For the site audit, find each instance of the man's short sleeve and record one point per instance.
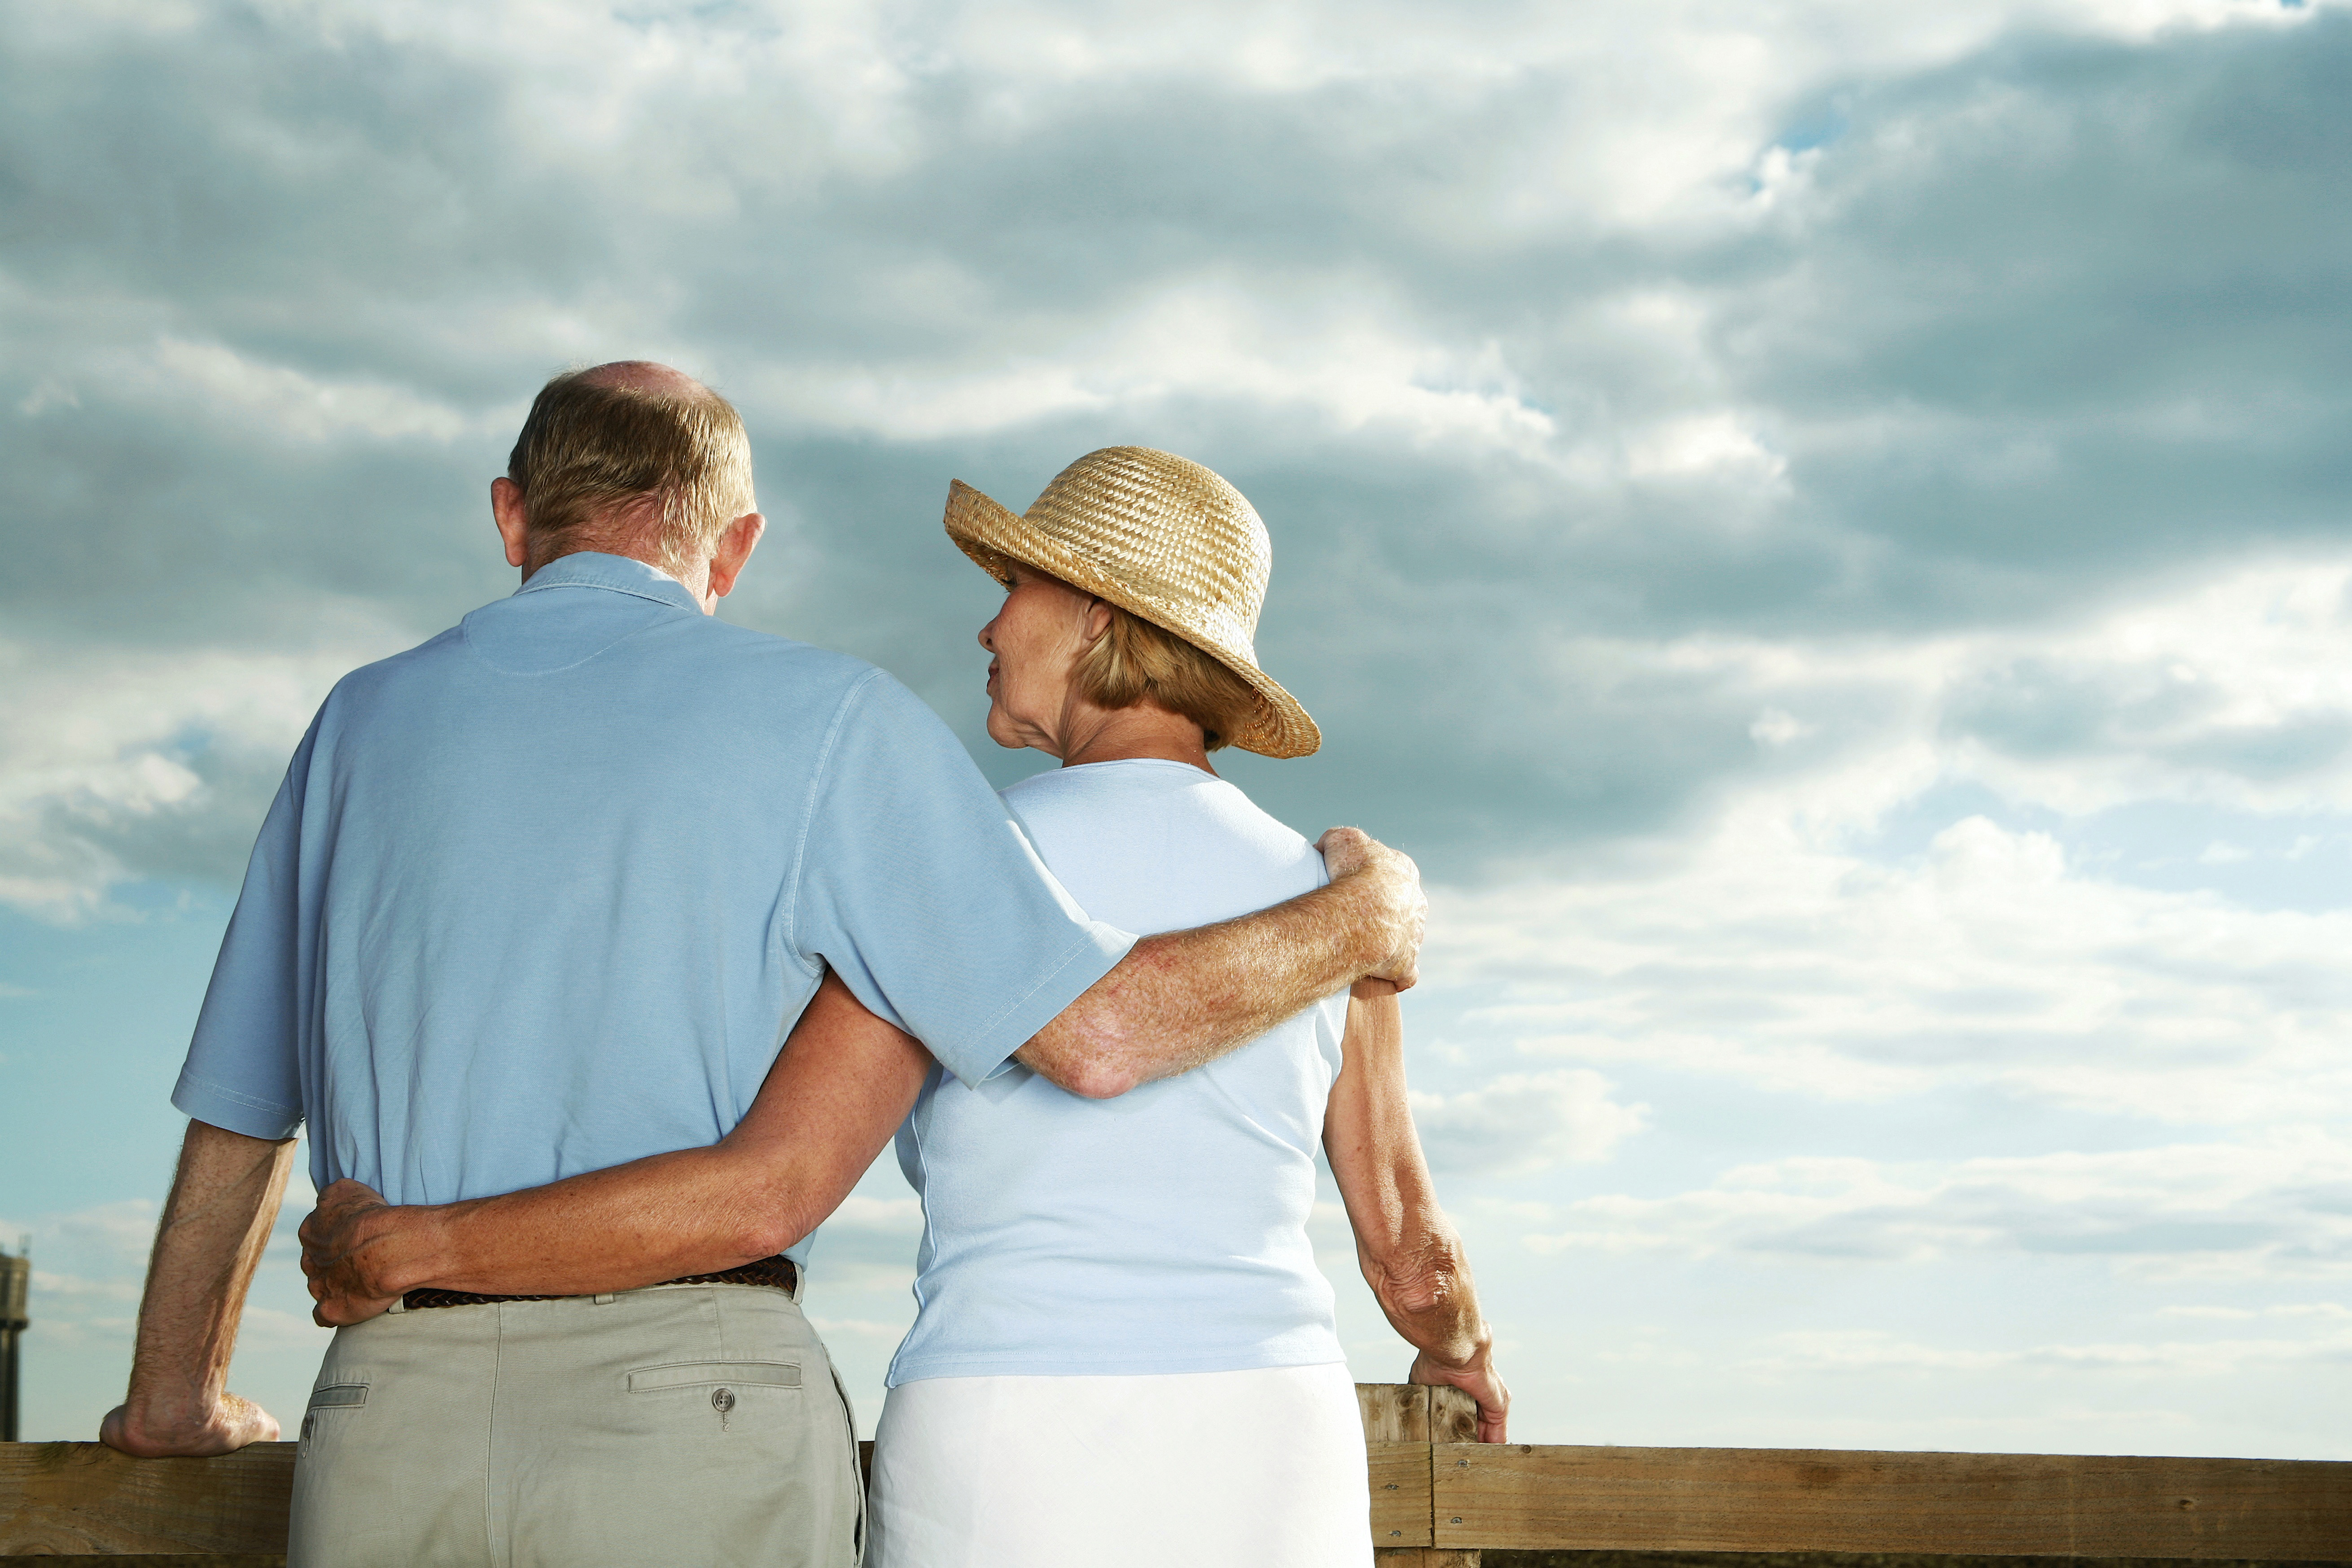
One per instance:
(921, 891)
(244, 1067)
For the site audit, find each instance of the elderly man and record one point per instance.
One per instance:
(540, 898)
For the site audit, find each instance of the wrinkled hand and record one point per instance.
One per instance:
(344, 1243)
(227, 1425)
(1478, 1379)
(1396, 905)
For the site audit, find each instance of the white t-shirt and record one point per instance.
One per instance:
(1165, 1230)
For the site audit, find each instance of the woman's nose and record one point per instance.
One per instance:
(984, 637)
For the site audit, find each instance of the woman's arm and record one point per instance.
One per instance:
(840, 1087)
(1409, 1254)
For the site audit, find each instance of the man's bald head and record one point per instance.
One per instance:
(633, 458)
(644, 375)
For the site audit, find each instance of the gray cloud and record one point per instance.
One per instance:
(2019, 330)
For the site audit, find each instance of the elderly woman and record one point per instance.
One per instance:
(1124, 1352)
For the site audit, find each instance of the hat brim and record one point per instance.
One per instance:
(994, 537)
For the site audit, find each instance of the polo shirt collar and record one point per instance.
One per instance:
(594, 569)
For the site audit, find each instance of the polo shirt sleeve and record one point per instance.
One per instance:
(921, 892)
(244, 1071)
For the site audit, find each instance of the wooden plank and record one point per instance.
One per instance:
(81, 1499)
(1411, 1413)
(1453, 1416)
(1795, 1500)
(1416, 1412)
(1399, 1478)
(159, 1559)
(84, 1499)
(1393, 1411)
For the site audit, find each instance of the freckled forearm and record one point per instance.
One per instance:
(1182, 999)
(223, 1200)
(842, 1084)
(689, 1212)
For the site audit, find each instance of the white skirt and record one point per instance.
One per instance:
(1178, 1469)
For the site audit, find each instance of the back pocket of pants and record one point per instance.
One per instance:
(333, 1396)
(713, 1373)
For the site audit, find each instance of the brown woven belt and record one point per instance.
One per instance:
(776, 1271)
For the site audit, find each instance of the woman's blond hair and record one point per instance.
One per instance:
(1134, 661)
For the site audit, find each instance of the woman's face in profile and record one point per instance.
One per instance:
(1036, 638)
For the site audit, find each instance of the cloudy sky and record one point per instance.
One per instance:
(1825, 525)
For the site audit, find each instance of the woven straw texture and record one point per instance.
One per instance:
(1162, 537)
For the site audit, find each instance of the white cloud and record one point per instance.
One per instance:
(105, 749)
(1346, 362)
(895, 1218)
(867, 1244)
(884, 1334)
(73, 1285)
(1779, 727)
(87, 1268)
(1871, 1352)
(1522, 1123)
(2237, 691)
(1702, 443)
(2276, 1210)
(1777, 941)
(217, 382)
(1984, 962)
(2329, 1310)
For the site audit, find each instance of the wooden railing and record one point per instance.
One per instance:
(1440, 1502)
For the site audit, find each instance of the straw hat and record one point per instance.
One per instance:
(1162, 537)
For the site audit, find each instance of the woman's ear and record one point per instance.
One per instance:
(1097, 621)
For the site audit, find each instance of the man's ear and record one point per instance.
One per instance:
(513, 520)
(735, 546)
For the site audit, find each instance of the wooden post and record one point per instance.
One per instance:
(16, 1287)
(1401, 1421)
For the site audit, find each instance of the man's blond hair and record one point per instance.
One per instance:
(1135, 661)
(599, 460)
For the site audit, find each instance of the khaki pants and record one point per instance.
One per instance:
(685, 1424)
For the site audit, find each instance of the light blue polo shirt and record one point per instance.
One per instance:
(545, 894)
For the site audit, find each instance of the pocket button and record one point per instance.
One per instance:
(722, 1400)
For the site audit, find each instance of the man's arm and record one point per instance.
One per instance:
(223, 1200)
(840, 1087)
(1188, 998)
(1410, 1253)
(843, 1083)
